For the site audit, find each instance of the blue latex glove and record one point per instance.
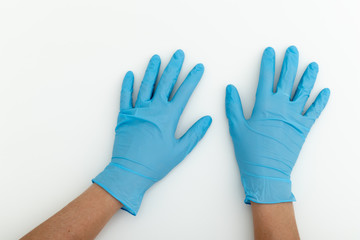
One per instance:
(145, 147)
(268, 144)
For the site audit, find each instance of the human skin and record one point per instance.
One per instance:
(154, 115)
(83, 218)
(274, 221)
(267, 144)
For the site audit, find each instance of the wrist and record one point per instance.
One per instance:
(274, 221)
(124, 185)
(261, 189)
(104, 197)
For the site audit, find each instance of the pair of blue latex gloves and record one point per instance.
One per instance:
(266, 145)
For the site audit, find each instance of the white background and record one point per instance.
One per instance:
(61, 68)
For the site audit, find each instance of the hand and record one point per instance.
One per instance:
(268, 144)
(145, 147)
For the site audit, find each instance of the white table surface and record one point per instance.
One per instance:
(61, 68)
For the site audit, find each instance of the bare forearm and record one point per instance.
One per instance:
(274, 221)
(83, 218)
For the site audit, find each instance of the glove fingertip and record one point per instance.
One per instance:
(269, 51)
(230, 88)
(293, 49)
(129, 74)
(199, 67)
(155, 58)
(232, 101)
(230, 96)
(179, 54)
(326, 92)
(314, 66)
(207, 120)
(203, 125)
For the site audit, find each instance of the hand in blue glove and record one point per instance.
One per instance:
(268, 144)
(145, 147)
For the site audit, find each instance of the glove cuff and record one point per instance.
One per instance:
(261, 189)
(127, 186)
